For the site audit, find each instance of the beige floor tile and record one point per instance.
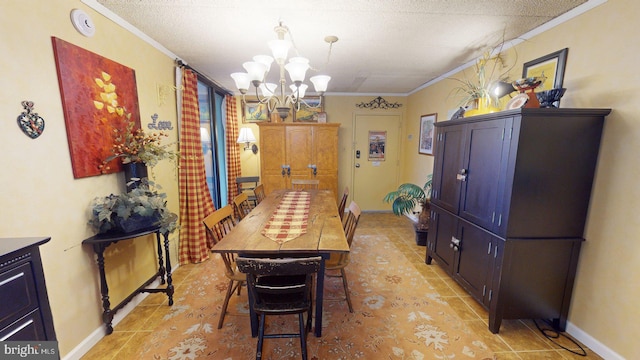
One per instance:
(493, 342)
(136, 319)
(508, 355)
(520, 337)
(107, 347)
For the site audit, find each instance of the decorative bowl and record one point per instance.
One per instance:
(549, 97)
(529, 83)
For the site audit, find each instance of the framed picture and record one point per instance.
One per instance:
(377, 143)
(254, 111)
(427, 130)
(98, 96)
(310, 108)
(551, 65)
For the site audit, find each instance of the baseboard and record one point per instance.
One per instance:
(90, 341)
(592, 343)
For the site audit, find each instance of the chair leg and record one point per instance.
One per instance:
(346, 289)
(303, 336)
(260, 337)
(230, 291)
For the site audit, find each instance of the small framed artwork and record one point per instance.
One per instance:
(254, 111)
(427, 130)
(551, 65)
(377, 143)
(310, 108)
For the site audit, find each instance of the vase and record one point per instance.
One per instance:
(137, 222)
(133, 172)
(483, 106)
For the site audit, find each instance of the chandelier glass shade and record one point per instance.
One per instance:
(276, 96)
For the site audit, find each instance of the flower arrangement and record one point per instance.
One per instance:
(143, 206)
(490, 69)
(134, 146)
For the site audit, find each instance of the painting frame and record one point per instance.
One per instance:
(310, 109)
(98, 96)
(377, 145)
(254, 111)
(554, 62)
(427, 131)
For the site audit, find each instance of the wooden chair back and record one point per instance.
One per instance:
(241, 203)
(343, 202)
(260, 195)
(305, 184)
(277, 285)
(351, 221)
(248, 184)
(219, 224)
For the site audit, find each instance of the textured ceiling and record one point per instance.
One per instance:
(385, 47)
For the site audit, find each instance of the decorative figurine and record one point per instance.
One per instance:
(30, 122)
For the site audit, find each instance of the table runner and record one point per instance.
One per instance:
(289, 220)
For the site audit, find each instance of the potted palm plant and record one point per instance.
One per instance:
(405, 199)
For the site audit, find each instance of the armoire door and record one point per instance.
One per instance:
(272, 158)
(487, 147)
(448, 162)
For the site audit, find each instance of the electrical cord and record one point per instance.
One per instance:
(553, 334)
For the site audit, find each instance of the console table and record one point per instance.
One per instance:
(101, 241)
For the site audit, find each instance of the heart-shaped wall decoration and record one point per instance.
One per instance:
(30, 122)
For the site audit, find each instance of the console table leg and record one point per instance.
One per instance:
(161, 270)
(107, 315)
(169, 280)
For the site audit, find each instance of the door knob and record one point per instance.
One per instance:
(357, 165)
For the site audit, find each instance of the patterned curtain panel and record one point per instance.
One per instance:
(233, 153)
(195, 199)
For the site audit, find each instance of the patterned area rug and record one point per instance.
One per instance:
(397, 315)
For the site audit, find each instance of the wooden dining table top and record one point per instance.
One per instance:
(324, 228)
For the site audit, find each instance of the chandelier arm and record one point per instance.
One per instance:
(319, 106)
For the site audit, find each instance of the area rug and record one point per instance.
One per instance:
(397, 315)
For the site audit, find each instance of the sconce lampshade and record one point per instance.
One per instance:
(246, 137)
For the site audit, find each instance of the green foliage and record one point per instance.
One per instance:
(407, 196)
(144, 200)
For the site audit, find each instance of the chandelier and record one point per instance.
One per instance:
(275, 95)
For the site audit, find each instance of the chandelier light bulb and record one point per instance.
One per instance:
(298, 91)
(264, 59)
(255, 70)
(280, 49)
(242, 81)
(297, 71)
(268, 89)
(320, 82)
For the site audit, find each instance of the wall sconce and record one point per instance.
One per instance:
(246, 137)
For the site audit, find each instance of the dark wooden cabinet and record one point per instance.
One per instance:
(25, 314)
(510, 197)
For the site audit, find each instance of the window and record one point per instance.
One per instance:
(212, 135)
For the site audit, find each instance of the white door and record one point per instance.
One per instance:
(376, 163)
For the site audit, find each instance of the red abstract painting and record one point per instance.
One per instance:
(98, 96)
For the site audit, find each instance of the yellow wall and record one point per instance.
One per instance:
(600, 73)
(39, 195)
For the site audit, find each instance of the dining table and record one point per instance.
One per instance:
(322, 235)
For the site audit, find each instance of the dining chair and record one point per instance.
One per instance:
(339, 261)
(343, 202)
(248, 184)
(305, 184)
(260, 195)
(218, 224)
(241, 203)
(281, 287)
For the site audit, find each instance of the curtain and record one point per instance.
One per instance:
(233, 153)
(195, 199)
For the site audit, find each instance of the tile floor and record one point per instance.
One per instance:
(518, 339)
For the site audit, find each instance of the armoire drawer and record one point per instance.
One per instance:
(18, 293)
